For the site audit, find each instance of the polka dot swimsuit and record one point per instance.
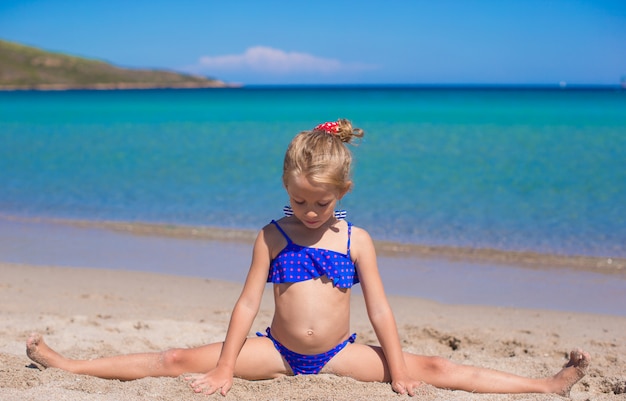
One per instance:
(297, 263)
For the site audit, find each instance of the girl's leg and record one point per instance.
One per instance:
(258, 360)
(367, 363)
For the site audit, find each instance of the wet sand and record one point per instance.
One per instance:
(449, 275)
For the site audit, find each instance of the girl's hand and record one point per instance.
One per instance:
(211, 382)
(406, 385)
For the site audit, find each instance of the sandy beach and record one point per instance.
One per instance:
(98, 289)
(89, 312)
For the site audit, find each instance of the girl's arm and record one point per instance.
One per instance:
(379, 311)
(241, 320)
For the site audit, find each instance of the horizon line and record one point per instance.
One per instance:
(558, 86)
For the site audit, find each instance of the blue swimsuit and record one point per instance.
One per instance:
(297, 263)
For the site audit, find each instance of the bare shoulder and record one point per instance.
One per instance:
(360, 236)
(361, 243)
(271, 237)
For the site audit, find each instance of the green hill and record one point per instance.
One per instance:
(24, 67)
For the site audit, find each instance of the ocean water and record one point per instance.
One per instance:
(511, 169)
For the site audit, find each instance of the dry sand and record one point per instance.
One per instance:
(85, 313)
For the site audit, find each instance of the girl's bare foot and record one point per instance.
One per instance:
(39, 352)
(572, 372)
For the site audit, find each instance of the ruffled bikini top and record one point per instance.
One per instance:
(297, 263)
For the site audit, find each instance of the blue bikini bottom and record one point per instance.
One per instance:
(306, 364)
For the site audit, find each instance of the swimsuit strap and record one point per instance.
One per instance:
(282, 232)
(349, 232)
(291, 242)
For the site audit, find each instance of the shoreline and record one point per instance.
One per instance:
(526, 259)
(225, 255)
(117, 86)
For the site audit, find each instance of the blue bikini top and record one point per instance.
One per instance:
(297, 263)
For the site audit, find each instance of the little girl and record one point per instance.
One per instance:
(313, 257)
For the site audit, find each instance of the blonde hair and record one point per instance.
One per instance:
(322, 156)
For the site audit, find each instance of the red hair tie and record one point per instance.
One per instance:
(331, 127)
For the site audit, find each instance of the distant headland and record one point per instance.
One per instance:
(29, 68)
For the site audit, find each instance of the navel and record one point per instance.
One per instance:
(309, 332)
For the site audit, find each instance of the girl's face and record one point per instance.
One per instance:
(313, 204)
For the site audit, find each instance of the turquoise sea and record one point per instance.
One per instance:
(503, 168)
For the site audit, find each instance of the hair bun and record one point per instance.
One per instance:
(342, 129)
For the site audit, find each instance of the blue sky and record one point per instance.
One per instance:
(338, 42)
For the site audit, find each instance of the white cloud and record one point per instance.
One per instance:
(269, 60)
